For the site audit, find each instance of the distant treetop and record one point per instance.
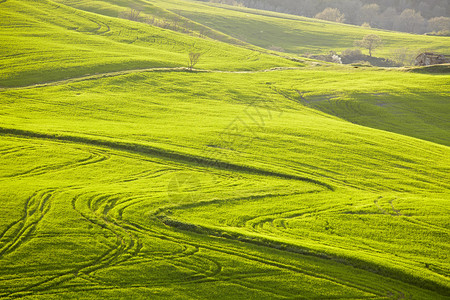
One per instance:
(415, 16)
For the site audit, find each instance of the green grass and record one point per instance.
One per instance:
(247, 27)
(75, 43)
(295, 34)
(150, 181)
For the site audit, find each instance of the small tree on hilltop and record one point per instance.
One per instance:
(194, 57)
(131, 14)
(331, 14)
(370, 42)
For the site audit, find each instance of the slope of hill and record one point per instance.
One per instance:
(426, 119)
(399, 15)
(231, 182)
(399, 102)
(45, 41)
(295, 34)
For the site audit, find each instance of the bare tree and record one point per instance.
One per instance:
(194, 57)
(331, 14)
(370, 42)
(131, 14)
(403, 56)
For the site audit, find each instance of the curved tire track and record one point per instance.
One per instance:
(95, 157)
(167, 155)
(21, 230)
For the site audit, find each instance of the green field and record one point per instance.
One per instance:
(125, 175)
(298, 35)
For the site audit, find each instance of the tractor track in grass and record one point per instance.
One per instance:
(82, 288)
(21, 230)
(94, 157)
(266, 261)
(148, 174)
(425, 225)
(99, 216)
(112, 257)
(13, 150)
(232, 251)
(95, 205)
(164, 154)
(203, 203)
(254, 223)
(355, 262)
(146, 231)
(109, 257)
(274, 230)
(253, 258)
(100, 208)
(83, 14)
(126, 245)
(410, 219)
(100, 25)
(380, 208)
(396, 211)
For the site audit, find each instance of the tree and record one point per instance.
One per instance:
(439, 24)
(194, 57)
(369, 13)
(354, 53)
(351, 10)
(410, 21)
(131, 14)
(370, 42)
(388, 18)
(403, 56)
(331, 14)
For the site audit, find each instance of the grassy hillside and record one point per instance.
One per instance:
(295, 34)
(44, 41)
(125, 176)
(246, 27)
(412, 104)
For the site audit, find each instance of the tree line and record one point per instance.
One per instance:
(414, 16)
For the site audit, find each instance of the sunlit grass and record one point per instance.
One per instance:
(312, 183)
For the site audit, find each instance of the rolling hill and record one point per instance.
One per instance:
(294, 34)
(256, 175)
